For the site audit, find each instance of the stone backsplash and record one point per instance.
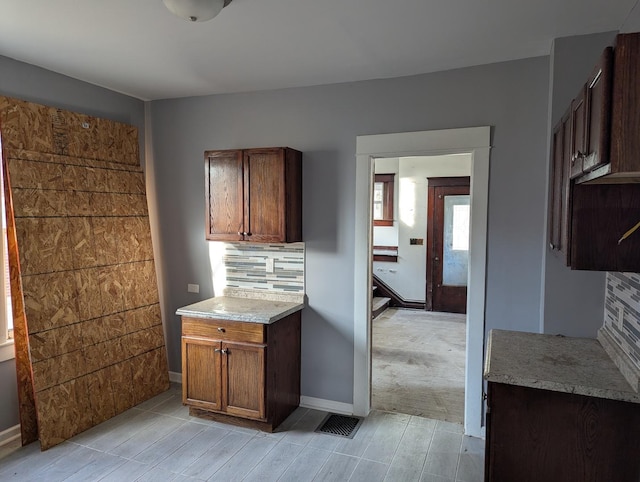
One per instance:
(246, 267)
(622, 322)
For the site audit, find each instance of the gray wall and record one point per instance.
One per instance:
(8, 395)
(323, 123)
(573, 300)
(24, 81)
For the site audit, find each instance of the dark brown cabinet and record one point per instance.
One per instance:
(535, 435)
(239, 372)
(578, 132)
(595, 199)
(598, 114)
(560, 186)
(590, 132)
(254, 195)
(623, 163)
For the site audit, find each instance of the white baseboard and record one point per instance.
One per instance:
(9, 435)
(175, 377)
(326, 405)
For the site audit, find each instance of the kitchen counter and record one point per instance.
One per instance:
(232, 308)
(557, 363)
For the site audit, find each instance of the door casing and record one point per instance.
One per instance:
(473, 140)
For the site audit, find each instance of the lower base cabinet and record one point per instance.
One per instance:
(541, 435)
(242, 373)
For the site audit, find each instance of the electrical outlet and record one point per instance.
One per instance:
(193, 288)
(270, 265)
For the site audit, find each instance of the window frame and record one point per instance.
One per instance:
(388, 183)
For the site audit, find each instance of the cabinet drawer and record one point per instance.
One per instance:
(223, 330)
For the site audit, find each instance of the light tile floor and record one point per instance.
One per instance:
(158, 441)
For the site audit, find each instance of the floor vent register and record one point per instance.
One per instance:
(340, 425)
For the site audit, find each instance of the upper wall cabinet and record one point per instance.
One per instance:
(595, 168)
(254, 195)
(612, 143)
(590, 119)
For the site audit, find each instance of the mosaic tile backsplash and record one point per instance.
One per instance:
(246, 266)
(622, 313)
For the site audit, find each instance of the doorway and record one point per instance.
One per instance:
(418, 356)
(476, 141)
(448, 217)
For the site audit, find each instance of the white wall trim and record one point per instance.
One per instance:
(175, 377)
(9, 435)
(474, 140)
(326, 405)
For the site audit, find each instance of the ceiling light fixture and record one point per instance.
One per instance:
(196, 10)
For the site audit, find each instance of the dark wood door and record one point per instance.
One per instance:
(449, 209)
(201, 373)
(264, 193)
(598, 128)
(224, 196)
(243, 366)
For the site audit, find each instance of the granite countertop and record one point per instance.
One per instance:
(233, 308)
(557, 363)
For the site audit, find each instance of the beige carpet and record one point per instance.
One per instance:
(418, 363)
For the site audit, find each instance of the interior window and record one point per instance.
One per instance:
(383, 200)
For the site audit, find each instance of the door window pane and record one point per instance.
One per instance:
(455, 255)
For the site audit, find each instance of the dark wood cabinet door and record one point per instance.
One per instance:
(578, 132)
(224, 196)
(560, 186)
(243, 378)
(567, 186)
(538, 435)
(264, 195)
(625, 109)
(201, 373)
(556, 200)
(598, 119)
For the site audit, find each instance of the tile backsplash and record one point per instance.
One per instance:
(622, 314)
(246, 266)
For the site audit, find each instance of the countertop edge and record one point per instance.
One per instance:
(247, 318)
(499, 375)
(566, 388)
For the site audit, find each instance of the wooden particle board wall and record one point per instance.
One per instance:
(89, 336)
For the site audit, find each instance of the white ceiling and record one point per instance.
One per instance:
(137, 47)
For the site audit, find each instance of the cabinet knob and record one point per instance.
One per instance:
(223, 351)
(240, 233)
(247, 234)
(221, 330)
(552, 246)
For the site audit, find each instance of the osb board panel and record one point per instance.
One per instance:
(49, 130)
(93, 327)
